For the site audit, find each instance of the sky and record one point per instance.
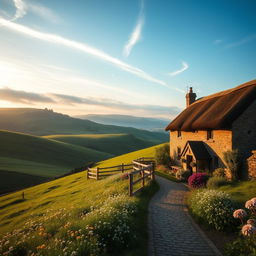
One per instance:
(135, 57)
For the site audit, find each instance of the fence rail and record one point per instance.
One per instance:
(140, 171)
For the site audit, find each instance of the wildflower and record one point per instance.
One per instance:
(248, 230)
(252, 222)
(251, 204)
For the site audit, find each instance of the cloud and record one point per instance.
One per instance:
(10, 95)
(242, 41)
(217, 41)
(56, 39)
(44, 13)
(136, 33)
(177, 72)
(21, 9)
(24, 97)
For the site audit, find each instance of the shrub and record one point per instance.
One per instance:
(162, 155)
(197, 180)
(216, 182)
(232, 160)
(219, 172)
(182, 175)
(213, 207)
(241, 246)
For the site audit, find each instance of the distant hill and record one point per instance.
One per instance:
(46, 122)
(115, 144)
(41, 157)
(146, 123)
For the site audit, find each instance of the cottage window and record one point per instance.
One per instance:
(179, 133)
(209, 134)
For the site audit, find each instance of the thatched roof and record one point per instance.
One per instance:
(217, 111)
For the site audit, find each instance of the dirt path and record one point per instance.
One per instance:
(171, 230)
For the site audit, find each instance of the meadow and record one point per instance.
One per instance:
(115, 144)
(76, 216)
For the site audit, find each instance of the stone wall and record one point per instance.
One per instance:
(221, 142)
(252, 165)
(244, 135)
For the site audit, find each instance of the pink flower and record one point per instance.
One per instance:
(240, 213)
(251, 204)
(248, 230)
(252, 222)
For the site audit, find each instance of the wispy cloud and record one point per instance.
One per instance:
(44, 13)
(21, 9)
(136, 33)
(217, 41)
(242, 41)
(177, 72)
(24, 97)
(56, 39)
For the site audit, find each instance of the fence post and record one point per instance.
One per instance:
(130, 175)
(153, 171)
(97, 173)
(87, 174)
(143, 178)
(122, 168)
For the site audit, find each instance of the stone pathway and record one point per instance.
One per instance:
(172, 232)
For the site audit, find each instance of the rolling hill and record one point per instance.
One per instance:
(146, 123)
(46, 122)
(40, 157)
(115, 144)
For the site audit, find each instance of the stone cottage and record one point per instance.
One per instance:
(212, 125)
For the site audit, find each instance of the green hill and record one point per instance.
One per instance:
(56, 210)
(115, 144)
(40, 156)
(46, 122)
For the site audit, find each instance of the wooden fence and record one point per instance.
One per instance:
(140, 171)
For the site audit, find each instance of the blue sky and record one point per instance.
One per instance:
(122, 57)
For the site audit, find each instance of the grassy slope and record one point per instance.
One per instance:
(241, 191)
(72, 188)
(43, 122)
(127, 158)
(74, 194)
(40, 156)
(115, 144)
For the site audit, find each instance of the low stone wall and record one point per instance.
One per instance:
(252, 165)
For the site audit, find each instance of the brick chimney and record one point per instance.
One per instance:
(190, 97)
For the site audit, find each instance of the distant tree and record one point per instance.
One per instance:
(162, 155)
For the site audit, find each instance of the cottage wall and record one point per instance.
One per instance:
(221, 141)
(244, 134)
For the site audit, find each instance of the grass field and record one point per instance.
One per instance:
(127, 158)
(241, 191)
(115, 144)
(79, 214)
(21, 151)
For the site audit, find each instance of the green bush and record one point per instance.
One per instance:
(182, 175)
(162, 155)
(242, 246)
(215, 208)
(216, 182)
(219, 172)
(232, 160)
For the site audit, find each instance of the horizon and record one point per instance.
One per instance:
(132, 58)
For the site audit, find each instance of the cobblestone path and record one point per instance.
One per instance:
(171, 229)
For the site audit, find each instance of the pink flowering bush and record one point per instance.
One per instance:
(245, 245)
(198, 180)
